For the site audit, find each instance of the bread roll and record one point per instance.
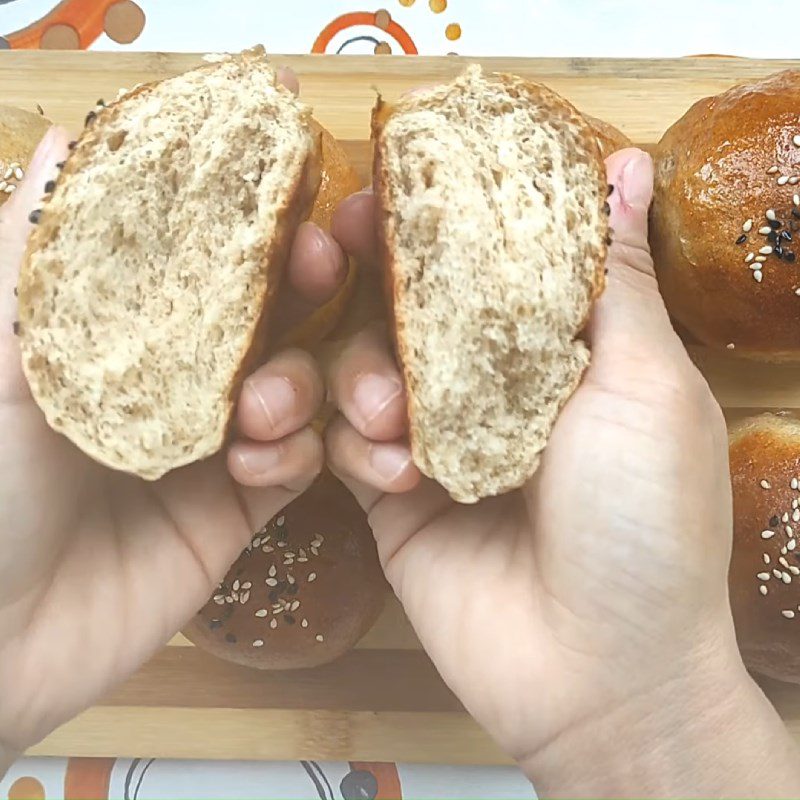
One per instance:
(609, 139)
(494, 223)
(725, 218)
(307, 588)
(20, 133)
(765, 567)
(145, 294)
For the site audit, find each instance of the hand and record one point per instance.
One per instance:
(584, 619)
(99, 569)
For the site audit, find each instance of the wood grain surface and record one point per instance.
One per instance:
(384, 700)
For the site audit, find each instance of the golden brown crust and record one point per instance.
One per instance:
(609, 139)
(714, 172)
(764, 458)
(272, 598)
(20, 133)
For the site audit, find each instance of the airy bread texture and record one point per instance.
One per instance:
(725, 219)
(20, 133)
(492, 194)
(764, 579)
(144, 292)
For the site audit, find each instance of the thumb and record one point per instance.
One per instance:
(630, 313)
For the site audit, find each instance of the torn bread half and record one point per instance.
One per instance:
(494, 225)
(145, 291)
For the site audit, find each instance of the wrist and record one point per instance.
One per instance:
(708, 733)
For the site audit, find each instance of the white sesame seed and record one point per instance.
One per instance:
(258, 643)
(256, 542)
(3, 185)
(247, 585)
(797, 292)
(295, 605)
(302, 560)
(767, 534)
(748, 226)
(760, 259)
(783, 562)
(756, 266)
(10, 188)
(279, 522)
(288, 554)
(765, 250)
(770, 215)
(766, 558)
(765, 484)
(796, 140)
(794, 180)
(785, 516)
(776, 573)
(794, 570)
(219, 600)
(19, 174)
(796, 515)
(273, 571)
(763, 576)
(730, 345)
(789, 530)
(763, 589)
(9, 173)
(795, 503)
(793, 483)
(281, 544)
(273, 623)
(302, 552)
(784, 551)
(786, 577)
(304, 623)
(319, 637)
(267, 549)
(235, 586)
(765, 230)
(758, 276)
(788, 613)
(262, 612)
(320, 537)
(791, 544)
(245, 596)
(749, 257)
(796, 199)
(783, 180)
(312, 576)
(314, 551)
(772, 170)
(228, 599)
(271, 582)
(316, 542)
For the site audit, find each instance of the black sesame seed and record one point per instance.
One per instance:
(775, 224)
(61, 164)
(605, 271)
(16, 293)
(607, 208)
(40, 109)
(35, 216)
(778, 251)
(288, 619)
(15, 328)
(273, 596)
(789, 256)
(742, 239)
(215, 623)
(72, 145)
(772, 237)
(773, 521)
(90, 118)
(795, 213)
(49, 187)
(292, 589)
(229, 637)
(610, 189)
(786, 235)
(609, 241)
(101, 102)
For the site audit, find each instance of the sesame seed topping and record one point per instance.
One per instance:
(235, 586)
(783, 180)
(765, 230)
(770, 215)
(730, 345)
(772, 170)
(793, 483)
(273, 571)
(271, 582)
(766, 250)
(758, 275)
(262, 612)
(267, 549)
(273, 623)
(256, 542)
(279, 522)
(258, 643)
(785, 517)
(766, 558)
(296, 604)
(789, 531)
(10, 189)
(748, 226)
(35, 216)
(290, 579)
(304, 623)
(749, 257)
(9, 174)
(788, 613)
(767, 534)
(302, 560)
(761, 259)
(247, 585)
(794, 570)
(763, 576)
(244, 597)
(765, 484)
(219, 600)
(796, 140)
(786, 577)
(763, 589)
(319, 637)
(19, 174)
(312, 576)
(783, 562)
(791, 544)
(776, 573)
(794, 180)
(784, 551)
(742, 239)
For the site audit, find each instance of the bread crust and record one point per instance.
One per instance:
(765, 448)
(20, 133)
(393, 289)
(340, 603)
(712, 175)
(297, 207)
(609, 139)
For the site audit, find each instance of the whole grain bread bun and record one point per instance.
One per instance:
(725, 217)
(145, 293)
(609, 139)
(20, 133)
(764, 575)
(304, 592)
(493, 218)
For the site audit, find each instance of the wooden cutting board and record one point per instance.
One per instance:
(384, 700)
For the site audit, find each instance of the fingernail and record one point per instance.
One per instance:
(635, 185)
(260, 460)
(389, 460)
(327, 248)
(373, 393)
(276, 396)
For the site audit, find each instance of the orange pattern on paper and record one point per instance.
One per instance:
(88, 778)
(346, 21)
(26, 788)
(386, 775)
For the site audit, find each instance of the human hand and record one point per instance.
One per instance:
(584, 619)
(98, 569)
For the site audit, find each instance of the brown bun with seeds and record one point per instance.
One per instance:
(609, 139)
(20, 133)
(764, 579)
(304, 592)
(183, 323)
(726, 217)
